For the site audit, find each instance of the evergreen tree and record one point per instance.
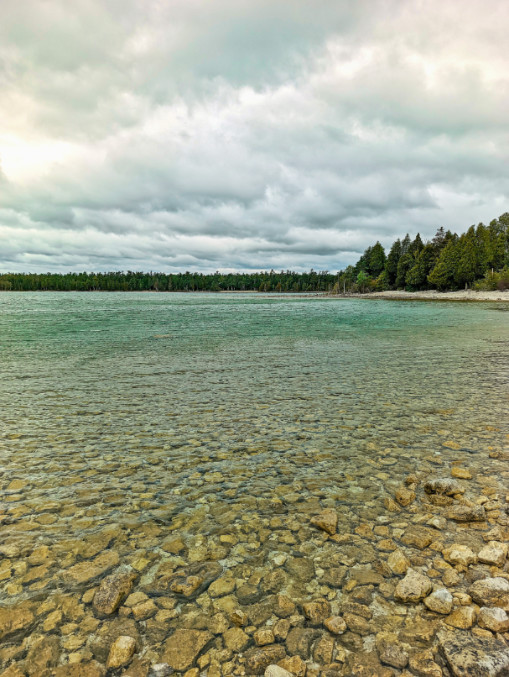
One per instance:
(391, 264)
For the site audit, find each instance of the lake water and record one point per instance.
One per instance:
(161, 431)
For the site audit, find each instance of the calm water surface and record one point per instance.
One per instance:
(172, 429)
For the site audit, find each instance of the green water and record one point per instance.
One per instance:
(199, 416)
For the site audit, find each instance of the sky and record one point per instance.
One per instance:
(203, 135)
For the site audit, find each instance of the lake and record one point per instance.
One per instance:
(186, 441)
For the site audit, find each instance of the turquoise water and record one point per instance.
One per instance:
(197, 416)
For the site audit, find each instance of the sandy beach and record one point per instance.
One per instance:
(433, 295)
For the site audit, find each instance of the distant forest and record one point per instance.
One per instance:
(476, 259)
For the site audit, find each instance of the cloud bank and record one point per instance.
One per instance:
(245, 134)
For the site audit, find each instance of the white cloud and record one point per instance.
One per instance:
(245, 134)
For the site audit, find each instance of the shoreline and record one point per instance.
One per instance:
(433, 295)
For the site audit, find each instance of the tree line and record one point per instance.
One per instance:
(477, 259)
(271, 281)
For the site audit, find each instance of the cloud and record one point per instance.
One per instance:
(241, 135)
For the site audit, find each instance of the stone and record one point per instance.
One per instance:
(334, 576)
(295, 665)
(423, 665)
(323, 650)
(42, 655)
(413, 587)
(121, 652)
(394, 656)
(335, 624)
(284, 606)
(469, 656)
(14, 619)
(459, 554)
(258, 659)
(417, 536)
(494, 553)
(276, 671)
(264, 636)
(281, 628)
(188, 582)
(462, 618)
(239, 618)
(466, 513)
(144, 610)
(85, 669)
(317, 611)
(491, 592)
(443, 485)
(184, 647)
(357, 624)
(440, 601)
(300, 568)
(404, 496)
(248, 594)
(91, 569)
(222, 586)
(112, 592)
(494, 619)
(299, 641)
(398, 562)
(235, 639)
(461, 473)
(327, 521)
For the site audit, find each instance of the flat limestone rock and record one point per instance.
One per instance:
(14, 619)
(184, 647)
(459, 554)
(87, 571)
(494, 619)
(491, 592)
(494, 553)
(413, 587)
(466, 513)
(469, 656)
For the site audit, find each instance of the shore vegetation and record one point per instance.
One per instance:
(477, 259)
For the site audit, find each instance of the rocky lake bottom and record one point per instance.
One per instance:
(225, 485)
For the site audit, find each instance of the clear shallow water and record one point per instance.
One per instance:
(134, 419)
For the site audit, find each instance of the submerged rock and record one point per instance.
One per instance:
(468, 656)
(258, 659)
(413, 587)
(184, 647)
(121, 651)
(112, 592)
(439, 601)
(467, 513)
(443, 485)
(327, 521)
(494, 553)
(188, 582)
(14, 619)
(491, 592)
(459, 554)
(494, 619)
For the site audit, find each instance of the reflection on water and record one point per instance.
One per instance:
(163, 431)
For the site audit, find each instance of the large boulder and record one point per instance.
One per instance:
(491, 592)
(469, 656)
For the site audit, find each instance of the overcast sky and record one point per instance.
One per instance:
(245, 134)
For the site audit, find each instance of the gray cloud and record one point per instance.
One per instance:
(239, 135)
